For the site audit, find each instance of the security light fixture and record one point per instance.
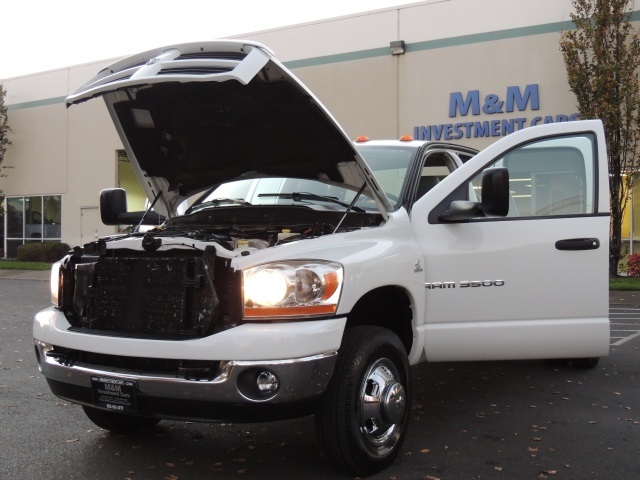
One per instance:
(397, 47)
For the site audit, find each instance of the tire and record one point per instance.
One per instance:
(118, 422)
(585, 363)
(363, 437)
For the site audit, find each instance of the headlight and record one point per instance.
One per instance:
(294, 288)
(56, 284)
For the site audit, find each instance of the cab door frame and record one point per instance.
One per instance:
(505, 288)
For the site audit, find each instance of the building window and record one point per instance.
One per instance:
(31, 219)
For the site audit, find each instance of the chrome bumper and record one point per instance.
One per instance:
(298, 379)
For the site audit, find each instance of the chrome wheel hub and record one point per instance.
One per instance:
(382, 406)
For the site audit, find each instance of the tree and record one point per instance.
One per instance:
(4, 141)
(4, 125)
(602, 56)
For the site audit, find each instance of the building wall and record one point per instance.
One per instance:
(453, 47)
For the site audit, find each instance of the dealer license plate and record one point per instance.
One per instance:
(114, 394)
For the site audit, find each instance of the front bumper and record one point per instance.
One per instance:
(229, 394)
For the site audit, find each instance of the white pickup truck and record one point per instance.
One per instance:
(295, 272)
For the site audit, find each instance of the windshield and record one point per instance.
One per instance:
(281, 191)
(389, 164)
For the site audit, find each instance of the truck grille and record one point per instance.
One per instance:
(152, 296)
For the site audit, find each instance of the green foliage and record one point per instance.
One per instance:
(42, 251)
(602, 56)
(624, 284)
(4, 126)
(10, 264)
(4, 140)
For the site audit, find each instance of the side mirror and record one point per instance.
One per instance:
(495, 192)
(113, 203)
(495, 199)
(113, 210)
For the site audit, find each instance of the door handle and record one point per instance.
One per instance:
(578, 244)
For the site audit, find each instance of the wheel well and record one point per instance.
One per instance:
(387, 307)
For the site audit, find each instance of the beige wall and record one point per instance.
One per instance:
(452, 46)
(428, 78)
(92, 163)
(38, 152)
(60, 151)
(330, 37)
(360, 94)
(385, 97)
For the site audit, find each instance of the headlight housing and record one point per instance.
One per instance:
(56, 284)
(300, 288)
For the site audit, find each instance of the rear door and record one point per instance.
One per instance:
(533, 284)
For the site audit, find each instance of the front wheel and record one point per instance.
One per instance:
(118, 422)
(363, 416)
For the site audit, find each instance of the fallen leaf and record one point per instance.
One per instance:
(425, 450)
(71, 440)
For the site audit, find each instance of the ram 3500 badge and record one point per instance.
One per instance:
(287, 269)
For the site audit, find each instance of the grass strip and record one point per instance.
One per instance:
(15, 265)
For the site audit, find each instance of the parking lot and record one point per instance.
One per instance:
(625, 323)
(497, 420)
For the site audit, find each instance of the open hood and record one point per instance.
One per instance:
(195, 115)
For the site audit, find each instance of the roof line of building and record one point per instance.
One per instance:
(532, 30)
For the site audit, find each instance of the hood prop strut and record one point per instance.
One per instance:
(353, 202)
(148, 210)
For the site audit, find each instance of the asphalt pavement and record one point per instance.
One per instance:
(7, 274)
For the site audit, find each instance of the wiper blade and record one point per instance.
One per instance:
(300, 196)
(216, 202)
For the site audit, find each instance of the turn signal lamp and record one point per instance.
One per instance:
(56, 284)
(362, 139)
(406, 138)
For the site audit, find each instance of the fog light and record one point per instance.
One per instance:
(267, 382)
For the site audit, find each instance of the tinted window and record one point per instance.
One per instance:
(548, 177)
